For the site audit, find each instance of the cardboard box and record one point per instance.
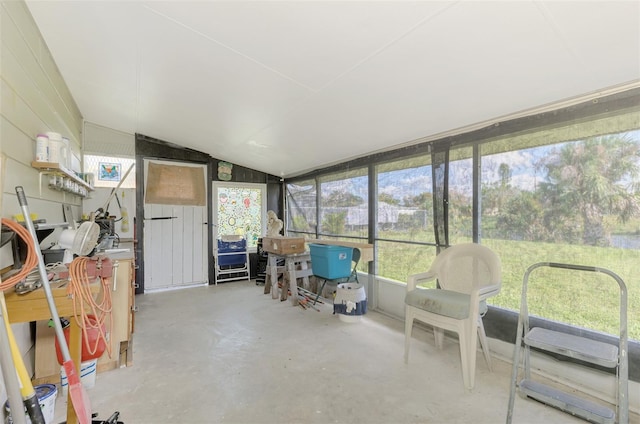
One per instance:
(283, 245)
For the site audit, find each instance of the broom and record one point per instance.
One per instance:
(78, 395)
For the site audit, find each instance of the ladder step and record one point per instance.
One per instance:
(577, 347)
(567, 402)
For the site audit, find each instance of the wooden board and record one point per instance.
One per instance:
(283, 245)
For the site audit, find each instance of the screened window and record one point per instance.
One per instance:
(344, 205)
(404, 232)
(302, 208)
(559, 186)
(574, 201)
(460, 218)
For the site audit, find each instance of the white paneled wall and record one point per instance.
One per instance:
(34, 99)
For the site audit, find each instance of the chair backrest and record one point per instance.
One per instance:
(465, 266)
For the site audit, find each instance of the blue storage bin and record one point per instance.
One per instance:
(226, 260)
(232, 253)
(330, 262)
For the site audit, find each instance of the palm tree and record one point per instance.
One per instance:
(593, 178)
(334, 223)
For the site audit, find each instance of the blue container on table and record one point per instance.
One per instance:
(329, 261)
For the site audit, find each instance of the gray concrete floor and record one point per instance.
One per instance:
(230, 354)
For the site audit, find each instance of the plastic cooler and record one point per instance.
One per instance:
(330, 262)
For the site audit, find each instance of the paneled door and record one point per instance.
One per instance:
(175, 242)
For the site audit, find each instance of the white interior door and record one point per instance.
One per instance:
(175, 243)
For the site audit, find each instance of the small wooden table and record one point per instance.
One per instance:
(34, 307)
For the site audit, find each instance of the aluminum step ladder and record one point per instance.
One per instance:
(576, 347)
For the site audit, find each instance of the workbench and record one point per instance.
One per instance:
(33, 306)
(47, 368)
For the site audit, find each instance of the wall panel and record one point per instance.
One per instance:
(34, 99)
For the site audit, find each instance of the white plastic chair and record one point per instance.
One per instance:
(467, 274)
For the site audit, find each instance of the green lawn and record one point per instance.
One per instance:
(584, 299)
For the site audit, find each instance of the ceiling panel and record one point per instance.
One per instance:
(311, 43)
(285, 87)
(208, 88)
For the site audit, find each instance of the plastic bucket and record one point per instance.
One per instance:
(92, 334)
(350, 302)
(46, 394)
(88, 371)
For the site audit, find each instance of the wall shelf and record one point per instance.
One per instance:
(50, 168)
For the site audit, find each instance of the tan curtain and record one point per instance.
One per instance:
(175, 185)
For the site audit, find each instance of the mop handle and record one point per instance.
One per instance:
(62, 342)
(114, 190)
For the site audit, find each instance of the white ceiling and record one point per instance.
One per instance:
(286, 87)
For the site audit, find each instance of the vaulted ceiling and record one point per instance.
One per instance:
(285, 87)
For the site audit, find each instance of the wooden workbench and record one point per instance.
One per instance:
(292, 262)
(34, 307)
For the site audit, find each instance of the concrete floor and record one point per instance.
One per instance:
(230, 354)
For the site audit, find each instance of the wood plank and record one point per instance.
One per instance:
(17, 145)
(120, 311)
(166, 247)
(180, 257)
(34, 307)
(40, 76)
(46, 362)
(199, 250)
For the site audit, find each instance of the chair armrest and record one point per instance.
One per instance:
(422, 277)
(489, 291)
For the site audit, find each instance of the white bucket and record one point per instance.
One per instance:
(87, 376)
(42, 148)
(350, 302)
(46, 394)
(58, 149)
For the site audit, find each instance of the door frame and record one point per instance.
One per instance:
(153, 149)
